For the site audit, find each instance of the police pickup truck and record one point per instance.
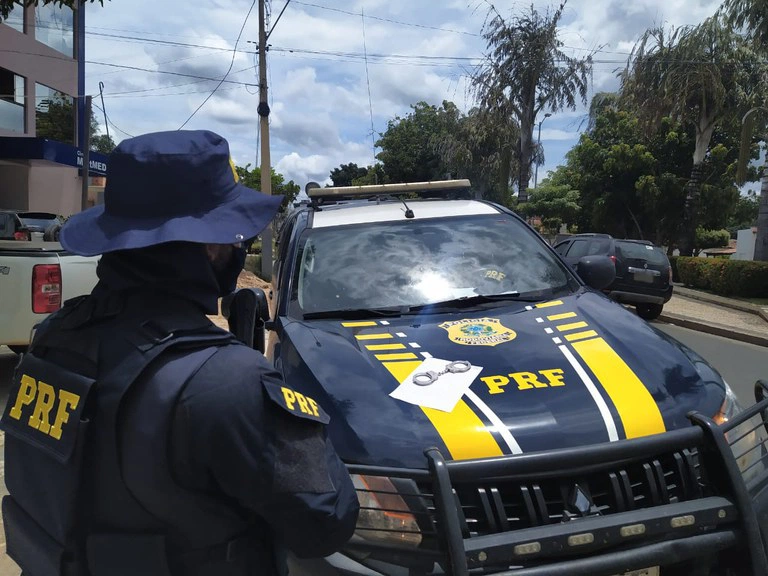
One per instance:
(35, 278)
(498, 414)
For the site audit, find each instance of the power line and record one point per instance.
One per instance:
(272, 28)
(115, 126)
(232, 63)
(399, 22)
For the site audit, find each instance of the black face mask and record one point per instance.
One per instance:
(227, 275)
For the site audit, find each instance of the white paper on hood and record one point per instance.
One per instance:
(444, 393)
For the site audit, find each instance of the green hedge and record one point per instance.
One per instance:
(725, 277)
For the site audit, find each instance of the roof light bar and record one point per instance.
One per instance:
(383, 189)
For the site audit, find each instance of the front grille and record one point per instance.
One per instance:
(490, 507)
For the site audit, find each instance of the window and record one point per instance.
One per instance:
(54, 27)
(54, 115)
(11, 101)
(578, 249)
(562, 248)
(16, 18)
(646, 252)
(598, 247)
(414, 263)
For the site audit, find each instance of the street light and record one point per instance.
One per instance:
(538, 143)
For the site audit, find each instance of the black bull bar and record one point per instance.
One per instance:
(673, 497)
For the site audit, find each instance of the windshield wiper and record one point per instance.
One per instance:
(358, 313)
(469, 301)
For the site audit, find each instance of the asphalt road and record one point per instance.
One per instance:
(739, 363)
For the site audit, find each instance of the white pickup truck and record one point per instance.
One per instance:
(35, 279)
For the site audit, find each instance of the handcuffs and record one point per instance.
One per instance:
(430, 377)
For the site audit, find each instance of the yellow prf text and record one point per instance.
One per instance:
(525, 380)
(305, 403)
(45, 400)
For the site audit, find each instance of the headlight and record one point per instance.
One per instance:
(747, 440)
(384, 517)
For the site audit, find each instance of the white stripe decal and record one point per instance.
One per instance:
(498, 425)
(610, 425)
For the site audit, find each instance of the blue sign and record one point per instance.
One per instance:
(20, 148)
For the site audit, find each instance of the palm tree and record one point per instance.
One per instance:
(699, 75)
(526, 72)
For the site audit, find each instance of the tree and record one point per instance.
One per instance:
(745, 213)
(556, 204)
(102, 143)
(702, 75)
(252, 179)
(751, 15)
(710, 239)
(409, 146)
(7, 5)
(480, 149)
(373, 175)
(346, 173)
(526, 72)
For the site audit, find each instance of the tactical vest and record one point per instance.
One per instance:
(79, 505)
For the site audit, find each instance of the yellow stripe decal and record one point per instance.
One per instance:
(395, 346)
(549, 304)
(463, 432)
(373, 336)
(358, 324)
(636, 407)
(404, 356)
(573, 326)
(562, 316)
(580, 335)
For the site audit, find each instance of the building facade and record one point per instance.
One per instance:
(42, 120)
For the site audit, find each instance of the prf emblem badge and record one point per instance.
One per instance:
(478, 332)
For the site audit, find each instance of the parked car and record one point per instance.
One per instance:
(26, 225)
(643, 272)
(497, 412)
(35, 279)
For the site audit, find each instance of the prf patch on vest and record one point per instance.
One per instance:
(45, 406)
(296, 403)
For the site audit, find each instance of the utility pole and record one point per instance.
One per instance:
(266, 167)
(536, 170)
(86, 144)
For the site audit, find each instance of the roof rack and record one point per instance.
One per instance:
(446, 187)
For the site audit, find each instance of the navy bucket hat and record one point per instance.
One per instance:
(167, 187)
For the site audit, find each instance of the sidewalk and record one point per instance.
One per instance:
(727, 317)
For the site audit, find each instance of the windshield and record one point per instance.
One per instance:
(650, 254)
(416, 262)
(37, 222)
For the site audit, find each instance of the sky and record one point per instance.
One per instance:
(159, 60)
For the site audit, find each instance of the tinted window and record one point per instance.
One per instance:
(410, 263)
(578, 249)
(562, 248)
(7, 227)
(651, 254)
(598, 247)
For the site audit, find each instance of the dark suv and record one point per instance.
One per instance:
(643, 272)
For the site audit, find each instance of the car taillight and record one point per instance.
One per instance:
(22, 236)
(46, 288)
(613, 259)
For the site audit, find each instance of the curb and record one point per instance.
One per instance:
(716, 329)
(720, 301)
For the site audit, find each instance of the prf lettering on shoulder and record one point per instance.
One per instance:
(525, 380)
(44, 397)
(306, 404)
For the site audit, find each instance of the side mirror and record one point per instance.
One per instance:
(598, 272)
(247, 310)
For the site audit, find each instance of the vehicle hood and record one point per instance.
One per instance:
(559, 374)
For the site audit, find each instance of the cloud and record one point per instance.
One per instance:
(318, 89)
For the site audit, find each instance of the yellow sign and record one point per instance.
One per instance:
(478, 332)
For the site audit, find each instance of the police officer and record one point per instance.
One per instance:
(141, 440)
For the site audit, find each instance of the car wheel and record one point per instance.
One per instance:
(649, 311)
(18, 349)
